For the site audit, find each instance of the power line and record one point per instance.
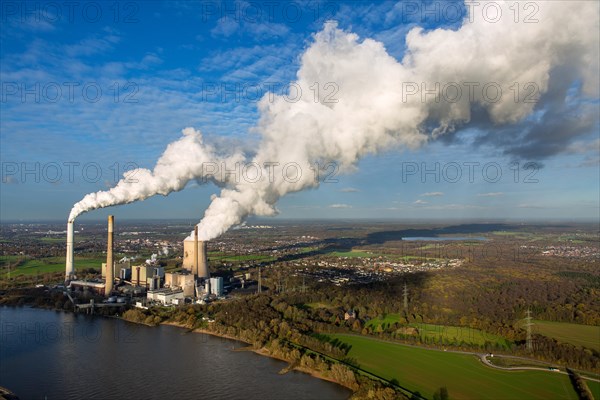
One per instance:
(405, 297)
(528, 325)
(259, 281)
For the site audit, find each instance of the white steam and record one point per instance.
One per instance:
(367, 103)
(183, 160)
(374, 110)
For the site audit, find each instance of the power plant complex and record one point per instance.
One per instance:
(192, 281)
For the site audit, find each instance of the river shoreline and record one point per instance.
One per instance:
(182, 360)
(262, 352)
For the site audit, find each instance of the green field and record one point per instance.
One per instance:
(595, 388)
(457, 334)
(465, 377)
(367, 254)
(448, 334)
(384, 320)
(352, 254)
(576, 334)
(31, 266)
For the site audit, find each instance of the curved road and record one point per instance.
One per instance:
(481, 356)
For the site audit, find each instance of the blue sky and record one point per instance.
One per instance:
(102, 87)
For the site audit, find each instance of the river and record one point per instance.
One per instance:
(48, 354)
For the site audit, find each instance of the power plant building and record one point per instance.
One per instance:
(183, 281)
(118, 269)
(164, 286)
(216, 286)
(140, 274)
(189, 257)
(165, 296)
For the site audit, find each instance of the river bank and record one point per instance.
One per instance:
(262, 352)
(309, 364)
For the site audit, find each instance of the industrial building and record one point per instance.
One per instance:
(182, 280)
(118, 267)
(195, 256)
(167, 288)
(166, 296)
(95, 287)
(216, 286)
(145, 274)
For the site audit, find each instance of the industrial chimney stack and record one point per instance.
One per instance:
(109, 258)
(196, 253)
(202, 260)
(69, 266)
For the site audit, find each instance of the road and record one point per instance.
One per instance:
(482, 357)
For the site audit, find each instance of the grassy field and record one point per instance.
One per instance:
(61, 239)
(352, 254)
(384, 320)
(449, 334)
(516, 362)
(595, 388)
(457, 334)
(367, 254)
(465, 377)
(576, 334)
(30, 266)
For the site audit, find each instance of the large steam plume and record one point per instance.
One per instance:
(183, 160)
(374, 108)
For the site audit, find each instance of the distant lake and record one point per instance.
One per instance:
(47, 354)
(441, 239)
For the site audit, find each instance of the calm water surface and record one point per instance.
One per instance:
(56, 355)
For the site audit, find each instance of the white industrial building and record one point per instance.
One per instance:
(166, 296)
(216, 286)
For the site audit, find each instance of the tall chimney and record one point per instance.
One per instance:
(202, 260)
(69, 266)
(196, 253)
(109, 258)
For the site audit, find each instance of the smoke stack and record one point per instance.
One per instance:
(202, 260)
(196, 252)
(109, 257)
(69, 266)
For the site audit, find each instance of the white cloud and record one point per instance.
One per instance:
(581, 147)
(420, 203)
(340, 205)
(432, 194)
(349, 190)
(490, 194)
(526, 205)
(456, 207)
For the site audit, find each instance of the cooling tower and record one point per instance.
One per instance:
(109, 258)
(69, 266)
(202, 260)
(196, 252)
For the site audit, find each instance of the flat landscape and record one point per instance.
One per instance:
(464, 375)
(333, 296)
(20, 265)
(576, 334)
